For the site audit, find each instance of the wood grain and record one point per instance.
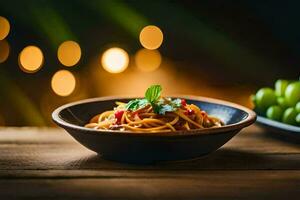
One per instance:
(215, 185)
(55, 149)
(46, 163)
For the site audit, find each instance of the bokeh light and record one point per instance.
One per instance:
(63, 83)
(4, 27)
(31, 59)
(147, 60)
(69, 53)
(115, 60)
(151, 37)
(4, 50)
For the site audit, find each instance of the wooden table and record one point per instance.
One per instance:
(46, 163)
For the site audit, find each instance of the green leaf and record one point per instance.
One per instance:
(161, 106)
(166, 108)
(152, 96)
(136, 104)
(153, 93)
(156, 108)
(176, 103)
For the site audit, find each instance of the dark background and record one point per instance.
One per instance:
(223, 49)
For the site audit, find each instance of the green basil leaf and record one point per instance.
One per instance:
(161, 107)
(176, 103)
(136, 104)
(153, 93)
(156, 108)
(152, 96)
(166, 108)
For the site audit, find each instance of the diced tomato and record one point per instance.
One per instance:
(189, 112)
(183, 102)
(119, 115)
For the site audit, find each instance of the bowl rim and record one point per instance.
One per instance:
(250, 119)
(278, 125)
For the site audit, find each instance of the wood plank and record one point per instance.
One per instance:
(205, 185)
(249, 139)
(126, 173)
(48, 164)
(60, 157)
(48, 148)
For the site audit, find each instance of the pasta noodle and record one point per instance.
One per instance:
(145, 119)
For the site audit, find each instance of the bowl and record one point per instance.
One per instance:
(145, 148)
(280, 129)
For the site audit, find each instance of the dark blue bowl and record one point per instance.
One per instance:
(279, 129)
(141, 147)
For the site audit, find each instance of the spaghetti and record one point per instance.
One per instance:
(154, 113)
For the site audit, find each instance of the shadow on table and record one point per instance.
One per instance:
(223, 159)
(284, 137)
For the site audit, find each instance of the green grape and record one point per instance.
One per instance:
(298, 118)
(275, 113)
(282, 102)
(264, 98)
(298, 107)
(253, 101)
(292, 93)
(289, 116)
(280, 86)
(252, 98)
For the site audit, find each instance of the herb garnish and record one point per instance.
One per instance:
(152, 97)
(153, 93)
(136, 104)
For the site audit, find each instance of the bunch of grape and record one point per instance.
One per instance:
(281, 104)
